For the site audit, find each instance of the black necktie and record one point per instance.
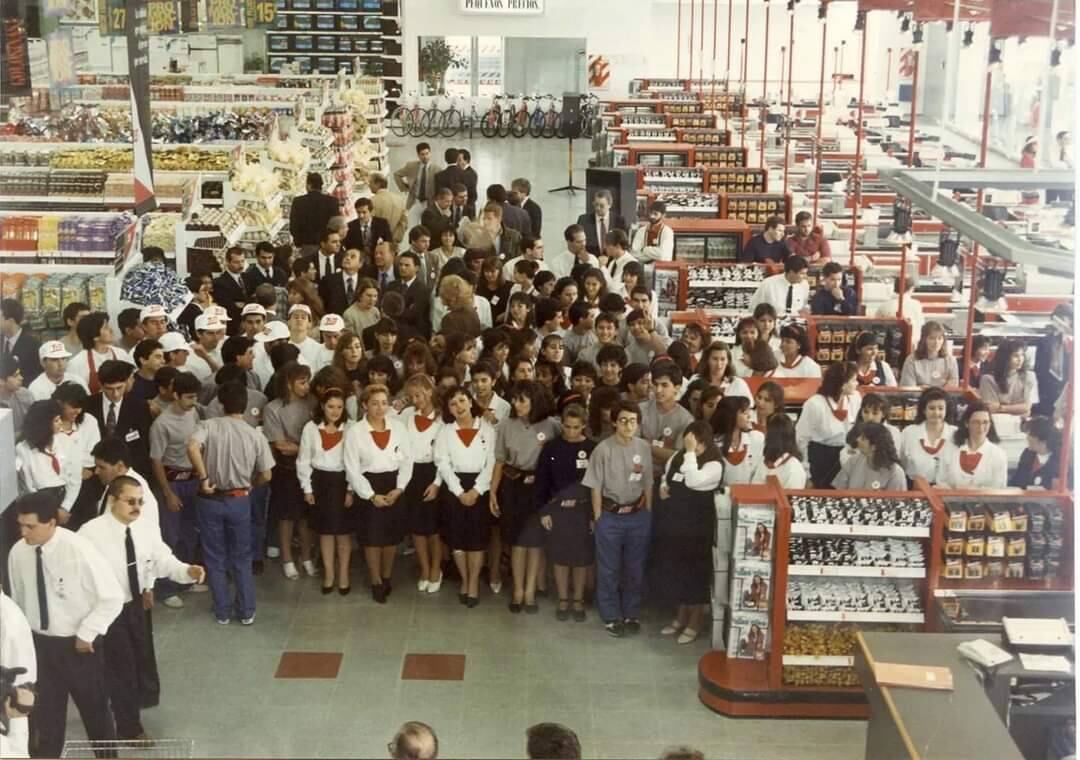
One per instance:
(110, 419)
(5, 349)
(269, 276)
(348, 289)
(457, 215)
(42, 599)
(363, 236)
(132, 566)
(383, 277)
(790, 297)
(421, 192)
(329, 266)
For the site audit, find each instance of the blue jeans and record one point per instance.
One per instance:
(225, 524)
(622, 546)
(178, 530)
(259, 495)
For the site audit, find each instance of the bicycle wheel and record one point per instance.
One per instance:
(519, 123)
(401, 121)
(552, 124)
(452, 122)
(434, 123)
(489, 125)
(536, 123)
(506, 122)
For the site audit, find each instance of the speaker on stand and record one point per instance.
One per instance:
(571, 127)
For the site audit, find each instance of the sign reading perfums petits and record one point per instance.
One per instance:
(503, 7)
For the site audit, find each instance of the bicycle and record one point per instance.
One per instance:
(552, 119)
(452, 120)
(519, 120)
(404, 119)
(493, 118)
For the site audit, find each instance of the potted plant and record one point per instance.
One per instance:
(436, 58)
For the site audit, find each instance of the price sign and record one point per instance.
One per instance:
(112, 17)
(259, 13)
(224, 13)
(162, 17)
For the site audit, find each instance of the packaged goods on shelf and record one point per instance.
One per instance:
(756, 208)
(45, 296)
(60, 237)
(843, 513)
(832, 340)
(855, 555)
(812, 596)
(735, 181)
(160, 230)
(800, 675)
(120, 159)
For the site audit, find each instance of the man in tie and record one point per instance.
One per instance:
(15, 341)
(381, 269)
(339, 290)
(788, 293)
(263, 270)
(230, 290)
(520, 190)
(327, 259)
(70, 598)
(439, 215)
(615, 258)
(120, 414)
(388, 205)
(600, 222)
(366, 229)
(460, 209)
(417, 178)
(137, 557)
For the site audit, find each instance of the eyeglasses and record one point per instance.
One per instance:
(627, 420)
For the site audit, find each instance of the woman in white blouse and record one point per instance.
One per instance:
(932, 363)
(781, 456)
(923, 443)
(746, 335)
(973, 459)
(78, 435)
(1008, 388)
(422, 425)
(741, 446)
(716, 367)
(826, 418)
(870, 367)
(39, 464)
(684, 527)
(379, 466)
(320, 467)
(795, 358)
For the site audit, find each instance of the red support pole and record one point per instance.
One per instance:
(690, 69)
(820, 118)
(701, 51)
(914, 99)
(727, 71)
(712, 92)
(903, 281)
(858, 138)
(787, 117)
(764, 88)
(678, 42)
(745, 71)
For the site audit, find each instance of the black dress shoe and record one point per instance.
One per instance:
(257, 567)
(378, 593)
(344, 591)
(327, 590)
(562, 614)
(515, 607)
(532, 609)
(632, 626)
(463, 598)
(472, 602)
(387, 588)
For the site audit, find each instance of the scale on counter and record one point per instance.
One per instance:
(1048, 635)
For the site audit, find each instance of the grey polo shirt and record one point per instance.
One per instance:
(169, 436)
(233, 451)
(623, 473)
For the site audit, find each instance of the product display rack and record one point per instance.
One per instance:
(859, 578)
(726, 287)
(720, 156)
(830, 337)
(735, 180)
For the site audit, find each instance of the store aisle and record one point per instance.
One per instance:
(627, 698)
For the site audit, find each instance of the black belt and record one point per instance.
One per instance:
(610, 505)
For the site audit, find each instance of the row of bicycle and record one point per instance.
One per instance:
(503, 115)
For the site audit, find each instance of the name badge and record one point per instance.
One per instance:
(583, 464)
(678, 477)
(658, 443)
(877, 381)
(541, 437)
(1037, 481)
(133, 435)
(494, 300)
(635, 476)
(876, 485)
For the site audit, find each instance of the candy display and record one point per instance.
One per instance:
(838, 551)
(690, 204)
(861, 511)
(838, 677)
(852, 596)
(706, 136)
(756, 208)
(62, 236)
(120, 159)
(45, 296)
(829, 341)
(160, 230)
(44, 183)
(735, 181)
(719, 156)
(722, 287)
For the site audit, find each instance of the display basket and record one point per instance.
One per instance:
(130, 748)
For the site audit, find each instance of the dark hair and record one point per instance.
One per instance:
(229, 373)
(961, 435)
(186, 382)
(878, 436)
(9, 366)
(558, 385)
(875, 402)
(422, 146)
(165, 377)
(193, 282)
(114, 371)
(724, 419)
(765, 310)
(447, 397)
(834, 378)
(528, 242)
(540, 402)
(1042, 428)
(582, 368)
(831, 268)
(797, 334)
(393, 306)
(703, 432)
(635, 268)
(571, 231)
(552, 741)
(44, 504)
(775, 392)
(762, 358)
(233, 397)
(418, 350)
(418, 232)
(526, 267)
(74, 395)
(633, 373)
(546, 310)
(999, 367)
(611, 303)
(129, 318)
(706, 355)
(37, 422)
(929, 327)
(669, 370)
(864, 339)
(234, 347)
(742, 324)
(331, 392)
(618, 238)
(979, 341)
(803, 216)
(795, 263)
(89, 328)
(326, 235)
(773, 222)
(933, 394)
(678, 353)
(144, 348)
(112, 450)
(282, 354)
(289, 373)
(698, 329)
(300, 267)
(600, 402)
(119, 483)
(72, 310)
(496, 193)
(625, 406)
(780, 439)
(384, 364)
(612, 352)
(314, 181)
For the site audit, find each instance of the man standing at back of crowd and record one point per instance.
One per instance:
(654, 240)
(520, 190)
(388, 205)
(417, 178)
(15, 341)
(310, 214)
(70, 598)
(600, 221)
(438, 216)
(263, 270)
(225, 452)
(366, 230)
(768, 246)
(808, 241)
(230, 289)
(514, 218)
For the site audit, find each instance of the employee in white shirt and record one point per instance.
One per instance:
(788, 293)
(17, 651)
(205, 357)
(654, 240)
(532, 249)
(54, 359)
(70, 598)
(615, 249)
(562, 264)
(137, 557)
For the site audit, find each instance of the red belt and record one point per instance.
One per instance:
(233, 492)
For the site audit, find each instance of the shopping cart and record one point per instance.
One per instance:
(130, 748)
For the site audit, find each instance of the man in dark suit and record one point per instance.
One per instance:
(17, 342)
(459, 206)
(513, 217)
(264, 270)
(230, 289)
(338, 290)
(122, 415)
(366, 230)
(309, 215)
(414, 291)
(438, 216)
(471, 180)
(600, 222)
(520, 189)
(381, 267)
(327, 259)
(453, 173)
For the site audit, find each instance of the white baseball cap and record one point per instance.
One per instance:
(53, 349)
(215, 310)
(331, 323)
(153, 311)
(209, 322)
(253, 308)
(273, 331)
(300, 307)
(174, 341)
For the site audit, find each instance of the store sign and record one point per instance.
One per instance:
(189, 15)
(259, 13)
(224, 13)
(503, 7)
(163, 17)
(138, 46)
(14, 55)
(112, 18)
(61, 60)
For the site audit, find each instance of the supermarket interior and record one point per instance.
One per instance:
(817, 256)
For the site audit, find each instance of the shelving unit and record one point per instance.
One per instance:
(830, 337)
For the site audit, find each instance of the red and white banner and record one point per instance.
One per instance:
(599, 73)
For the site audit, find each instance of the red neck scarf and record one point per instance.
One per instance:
(780, 462)
(95, 384)
(970, 461)
(330, 440)
(423, 422)
(839, 411)
(736, 457)
(932, 450)
(381, 437)
(467, 435)
(793, 364)
(55, 461)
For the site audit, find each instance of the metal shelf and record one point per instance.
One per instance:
(848, 571)
(836, 616)
(884, 531)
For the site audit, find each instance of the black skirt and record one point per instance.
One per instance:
(569, 542)
(517, 504)
(330, 517)
(382, 526)
(824, 463)
(684, 525)
(423, 515)
(468, 528)
(286, 495)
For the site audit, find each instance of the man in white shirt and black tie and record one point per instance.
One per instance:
(615, 258)
(788, 293)
(338, 290)
(328, 258)
(366, 230)
(600, 222)
(137, 557)
(70, 598)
